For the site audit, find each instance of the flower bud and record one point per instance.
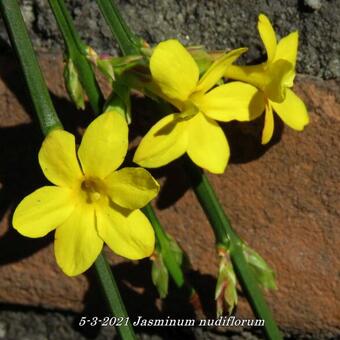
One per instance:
(159, 274)
(225, 292)
(74, 88)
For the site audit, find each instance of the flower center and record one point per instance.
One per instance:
(189, 110)
(93, 189)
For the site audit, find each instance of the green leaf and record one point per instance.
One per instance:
(106, 67)
(263, 273)
(113, 66)
(73, 85)
(160, 275)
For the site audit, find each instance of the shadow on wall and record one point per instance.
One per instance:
(20, 173)
(244, 140)
(141, 299)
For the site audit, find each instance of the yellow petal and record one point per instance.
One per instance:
(268, 128)
(281, 74)
(268, 36)
(217, 70)
(287, 51)
(43, 211)
(256, 75)
(208, 146)
(165, 141)
(77, 243)
(104, 145)
(231, 101)
(287, 48)
(128, 234)
(292, 111)
(174, 70)
(58, 159)
(131, 188)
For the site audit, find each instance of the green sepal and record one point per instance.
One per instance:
(123, 92)
(139, 75)
(117, 65)
(202, 57)
(73, 86)
(119, 101)
(110, 66)
(146, 51)
(160, 274)
(263, 273)
(114, 103)
(105, 66)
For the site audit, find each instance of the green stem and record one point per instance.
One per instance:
(227, 237)
(42, 102)
(76, 51)
(224, 233)
(114, 299)
(49, 120)
(126, 39)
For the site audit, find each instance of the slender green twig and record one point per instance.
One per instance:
(75, 45)
(34, 79)
(226, 236)
(111, 291)
(76, 51)
(127, 41)
(224, 233)
(49, 120)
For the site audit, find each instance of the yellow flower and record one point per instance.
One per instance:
(194, 130)
(90, 203)
(274, 79)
